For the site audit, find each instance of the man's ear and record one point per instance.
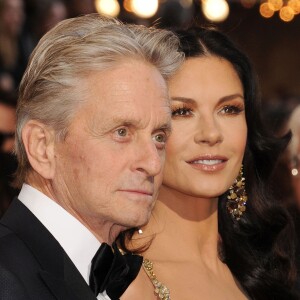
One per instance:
(39, 142)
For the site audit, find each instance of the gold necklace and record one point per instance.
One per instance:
(159, 289)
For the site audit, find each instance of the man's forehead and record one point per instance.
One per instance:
(133, 110)
(131, 114)
(137, 96)
(126, 78)
(129, 99)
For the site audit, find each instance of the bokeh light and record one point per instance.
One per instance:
(286, 14)
(266, 10)
(144, 8)
(109, 8)
(276, 4)
(127, 5)
(215, 10)
(295, 5)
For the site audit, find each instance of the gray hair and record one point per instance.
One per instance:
(70, 51)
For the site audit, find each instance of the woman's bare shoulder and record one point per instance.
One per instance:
(140, 288)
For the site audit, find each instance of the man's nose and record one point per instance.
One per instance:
(148, 158)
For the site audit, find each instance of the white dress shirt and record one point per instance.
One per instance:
(77, 241)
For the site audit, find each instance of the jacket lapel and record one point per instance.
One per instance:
(57, 286)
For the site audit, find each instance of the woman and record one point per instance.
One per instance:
(216, 232)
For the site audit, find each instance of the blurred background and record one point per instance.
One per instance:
(268, 31)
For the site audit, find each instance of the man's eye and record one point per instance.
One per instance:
(160, 138)
(122, 132)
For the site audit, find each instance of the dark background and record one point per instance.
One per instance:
(272, 45)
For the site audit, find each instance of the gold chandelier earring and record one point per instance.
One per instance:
(237, 197)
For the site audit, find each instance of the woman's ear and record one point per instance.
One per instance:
(39, 142)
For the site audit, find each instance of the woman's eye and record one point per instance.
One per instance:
(231, 110)
(183, 111)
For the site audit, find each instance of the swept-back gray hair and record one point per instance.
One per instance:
(71, 50)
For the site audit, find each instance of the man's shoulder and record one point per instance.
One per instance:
(16, 260)
(12, 248)
(20, 269)
(8, 239)
(10, 286)
(15, 246)
(4, 231)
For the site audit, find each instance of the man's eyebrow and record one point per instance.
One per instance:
(97, 126)
(117, 121)
(166, 127)
(125, 121)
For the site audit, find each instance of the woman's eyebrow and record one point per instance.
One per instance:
(231, 97)
(183, 99)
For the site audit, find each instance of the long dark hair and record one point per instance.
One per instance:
(259, 248)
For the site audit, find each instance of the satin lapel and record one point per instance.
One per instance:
(44, 247)
(76, 282)
(57, 287)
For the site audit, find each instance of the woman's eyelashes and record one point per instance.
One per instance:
(228, 109)
(232, 109)
(181, 111)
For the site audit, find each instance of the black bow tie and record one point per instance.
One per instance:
(113, 272)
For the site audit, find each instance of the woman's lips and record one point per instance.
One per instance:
(210, 163)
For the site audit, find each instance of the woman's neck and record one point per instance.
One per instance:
(182, 224)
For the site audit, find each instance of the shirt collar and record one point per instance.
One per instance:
(77, 241)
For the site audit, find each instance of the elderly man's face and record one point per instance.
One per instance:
(109, 168)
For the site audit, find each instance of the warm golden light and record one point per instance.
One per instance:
(215, 10)
(144, 8)
(266, 10)
(109, 8)
(286, 14)
(295, 5)
(127, 5)
(276, 4)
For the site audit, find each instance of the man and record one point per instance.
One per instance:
(92, 121)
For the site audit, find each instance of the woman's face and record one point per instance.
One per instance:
(209, 131)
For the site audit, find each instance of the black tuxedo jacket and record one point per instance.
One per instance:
(33, 265)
